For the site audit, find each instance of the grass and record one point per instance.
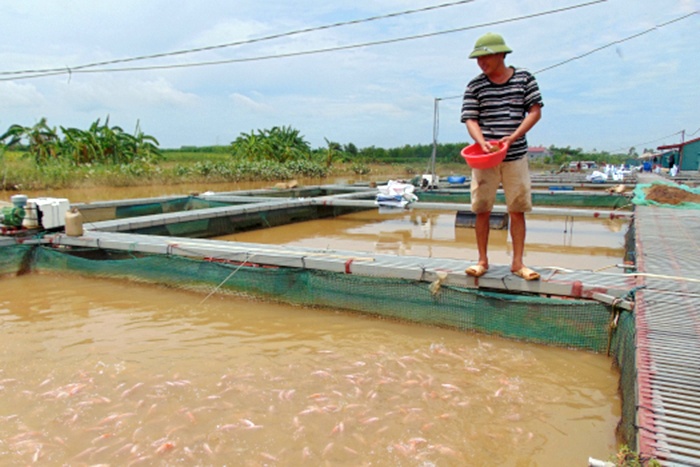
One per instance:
(184, 157)
(18, 172)
(21, 173)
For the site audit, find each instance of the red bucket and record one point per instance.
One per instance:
(475, 157)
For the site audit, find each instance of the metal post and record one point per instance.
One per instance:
(436, 125)
(680, 152)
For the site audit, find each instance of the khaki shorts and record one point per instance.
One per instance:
(515, 177)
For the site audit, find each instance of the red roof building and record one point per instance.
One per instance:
(538, 152)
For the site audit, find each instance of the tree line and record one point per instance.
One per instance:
(105, 144)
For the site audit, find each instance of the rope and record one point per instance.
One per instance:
(613, 322)
(629, 274)
(435, 285)
(609, 266)
(132, 248)
(630, 295)
(248, 258)
(662, 276)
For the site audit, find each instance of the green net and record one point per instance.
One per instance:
(97, 213)
(623, 351)
(666, 194)
(189, 203)
(568, 199)
(571, 323)
(580, 324)
(180, 204)
(14, 258)
(208, 227)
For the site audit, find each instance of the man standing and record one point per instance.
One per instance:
(501, 104)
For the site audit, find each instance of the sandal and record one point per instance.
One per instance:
(527, 274)
(476, 270)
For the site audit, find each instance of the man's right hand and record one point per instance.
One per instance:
(488, 148)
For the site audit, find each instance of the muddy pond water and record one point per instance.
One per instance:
(109, 372)
(551, 241)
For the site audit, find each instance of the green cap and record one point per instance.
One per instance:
(489, 44)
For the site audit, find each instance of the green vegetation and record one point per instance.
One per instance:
(625, 457)
(100, 144)
(277, 144)
(565, 155)
(40, 157)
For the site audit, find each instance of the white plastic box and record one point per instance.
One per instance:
(49, 213)
(429, 181)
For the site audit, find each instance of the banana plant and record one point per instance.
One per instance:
(79, 146)
(249, 146)
(280, 144)
(43, 142)
(332, 151)
(287, 144)
(100, 144)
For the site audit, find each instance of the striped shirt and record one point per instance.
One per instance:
(500, 108)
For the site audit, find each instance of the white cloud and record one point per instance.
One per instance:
(248, 104)
(381, 95)
(124, 94)
(14, 95)
(228, 31)
(161, 92)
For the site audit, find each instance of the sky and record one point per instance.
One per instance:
(614, 74)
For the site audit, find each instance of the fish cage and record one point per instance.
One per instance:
(159, 241)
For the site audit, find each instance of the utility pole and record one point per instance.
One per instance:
(680, 151)
(436, 125)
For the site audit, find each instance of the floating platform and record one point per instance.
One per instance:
(191, 219)
(600, 286)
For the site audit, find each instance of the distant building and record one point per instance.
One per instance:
(649, 155)
(538, 152)
(686, 154)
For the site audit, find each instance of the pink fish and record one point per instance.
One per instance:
(451, 387)
(308, 410)
(165, 447)
(268, 456)
(305, 453)
(350, 450)
(327, 449)
(249, 425)
(127, 392)
(339, 428)
(207, 449)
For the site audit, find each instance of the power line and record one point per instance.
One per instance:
(610, 44)
(243, 42)
(307, 52)
(648, 142)
(634, 36)
(598, 49)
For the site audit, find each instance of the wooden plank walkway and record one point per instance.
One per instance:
(600, 286)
